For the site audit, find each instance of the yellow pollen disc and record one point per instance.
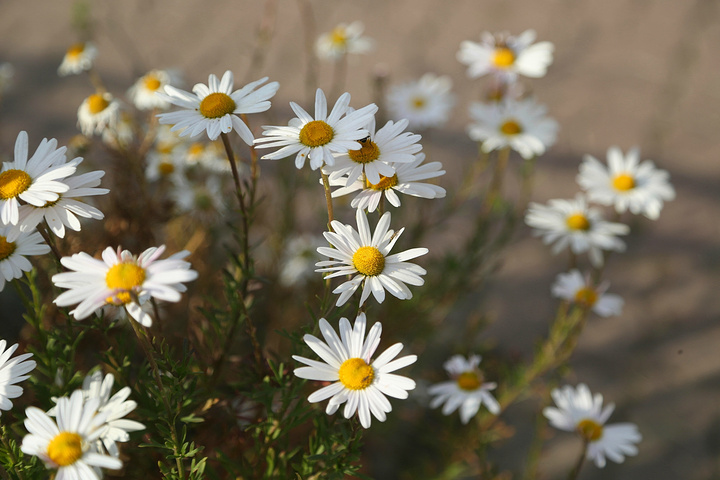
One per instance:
(316, 134)
(469, 381)
(385, 183)
(578, 221)
(13, 182)
(65, 449)
(369, 152)
(166, 168)
(623, 182)
(151, 82)
(6, 248)
(369, 261)
(76, 50)
(97, 103)
(196, 149)
(338, 37)
(217, 105)
(586, 296)
(356, 374)
(119, 299)
(504, 57)
(124, 276)
(590, 430)
(418, 102)
(511, 127)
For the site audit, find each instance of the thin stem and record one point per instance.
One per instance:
(575, 472)
(96, 81)
(156, 312)
(48, 239)
(233, 166)
(328, 199)
(381, 204)
(498, 175)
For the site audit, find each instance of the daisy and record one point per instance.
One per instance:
(68, 442)
(572, 223)
(12, 254)
(77, 59)
(165, 165)
(215, 108)
(210, 156)
(319, 137)
(12, 371)
(98, 112)
(388, 145)
(506, 56)
(120, 134)
(626, 183)
(144, 91)
(575, 288)
(424, 103)
(358, 381)
(467, 390)
(366, 257)
(299, 257)
(581, 412)
(521, 125)
(406, 180)
(342, 40)
(120, 278)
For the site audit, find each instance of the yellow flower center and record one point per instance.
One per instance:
(590, 430)
(217, 105)
(97, 103)
(316, 133)
(166, 168)
(418, 103)
(196, 149)
(578, 221)
(623, 182)
(369, 152)
(65, 449)
(469, 381)
(504, 57)
(75, 51)
(151, 82)
(13, 182)
(586, 296)
(385, 183)
(6, 248)
(511, 127)
(338, 37)
(124, 277)
(356, 374)
(369, 261)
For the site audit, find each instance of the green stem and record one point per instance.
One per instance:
(575, 472)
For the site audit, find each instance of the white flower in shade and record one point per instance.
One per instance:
(467, 390)
(406, 180)
(165, 165)
(575, 288)
(580, 411)
(358, 381)
(120, 278)
(77, 59)
(366, 257)
(202, 200)
(215, 108)
(210, 156)
(426, 102)
(521, 125)
(12, 254)
(120, 134)
(35, 181)
(68, 442)
(571, 223)
(144, 91)
(626, 183)
(299, 258)
(320, 137)
(98, 112)
(342, 40)
(12, 370)
(506, 56)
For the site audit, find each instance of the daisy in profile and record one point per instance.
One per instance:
(626, 183)
(12, 253)
(366, 257)
(467, 389)
(12, 371)
(122, 279)
(68, 442)
(342, 40)
(320, 137)
(575, 288)
(581, 412)
(506, 56)
(358, 381)
(522, 125)
(77, 59)
(215, 108)
(573, 224)
(144, 91)
(407, 180)
(98, 112)
(426, 102)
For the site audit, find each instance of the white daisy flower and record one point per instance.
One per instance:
(78, 59)
(299, 258)
(571, 223)
(575, 288)
(210, 156)
(467, 390)
(521, 125)
(406, 180)
(366, 256)
(120, 279)
(342, 40)
(426, 102)
(98, 112)
(320, 137)
(144, 91)
(626, 183)
(358, 381)
(215, 108)
(68, 442)
(580, 411)
(12, 371)
(506, 56)
(12, 254)
(120, 134)
(35, 181)
(165, 165)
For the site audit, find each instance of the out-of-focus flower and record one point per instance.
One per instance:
(144, 91)
(426, 102)
(78, 59)
(98, 112)
(575, 288)
(342, 40)
(12, 370)
(299, 258)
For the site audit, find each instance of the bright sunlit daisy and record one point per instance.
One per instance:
(12, 254)
(98, 112)
(626, 183)
(77, 59)
(342, 40)
(359, 382)
(320, 137)
(120, 279)
(12, 371)
(581, 412)
(366, 257)
(215, 108)
(144, 91)
(575, 288)
(426, 102)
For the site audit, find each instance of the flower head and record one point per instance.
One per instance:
(575, 288)
(98, 112)
(12, 370)
(426, 102)
(342, 40)
(144, 91)
(12, 253)
(77, 59)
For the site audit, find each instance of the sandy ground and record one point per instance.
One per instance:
(626, 72)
